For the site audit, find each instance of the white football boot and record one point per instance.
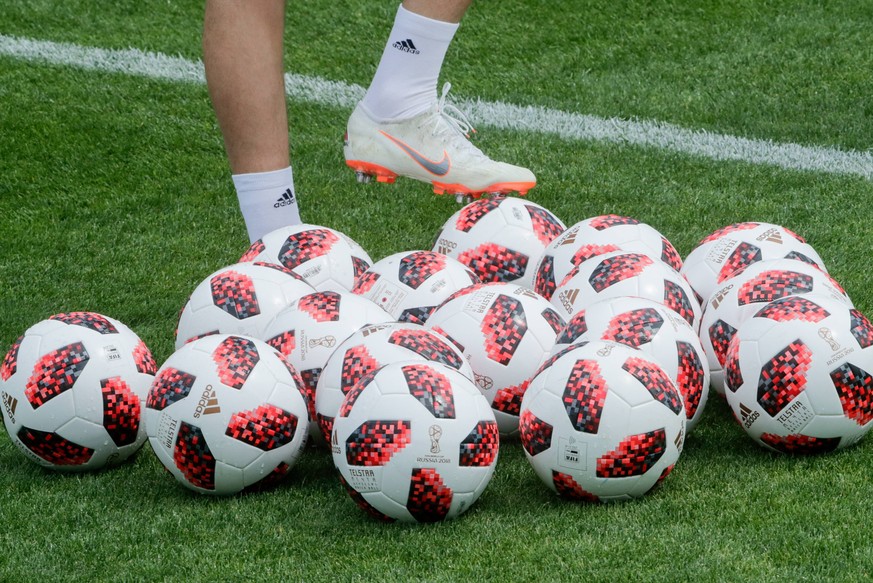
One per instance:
(432, 147)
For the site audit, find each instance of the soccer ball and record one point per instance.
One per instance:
(238, 299)
(308, 331)
(798, 375)
(740, 296)
(226, 413)
(596, 236)
(499, 238)
(373, 347)
(602, 421)
(505, 332)
(324, 257)
(731, 249)
(656, 330)
(415, 442)
(72, 387)
(409, 285)
(623, 273)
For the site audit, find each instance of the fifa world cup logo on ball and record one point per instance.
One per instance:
(326, 341)
(435, 432)
(827, 336)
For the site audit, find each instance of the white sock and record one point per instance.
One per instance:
(405, 83)
(267, 201)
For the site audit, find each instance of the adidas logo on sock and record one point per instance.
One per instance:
(406, 46)
(286, 199)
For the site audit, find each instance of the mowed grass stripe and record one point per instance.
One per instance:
(566, 125)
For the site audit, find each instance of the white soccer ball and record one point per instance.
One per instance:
(601, 422)
(622, 273)
(370, 348)
(409, 285)
(731, 249)
(308, 331)
(326, 258)
(73, 387)
(799, 375)
(596, 236)
(739, 297)
(656, 330)
(415, 442)
(226, 413)
(238, 299)
(500, 238)
(505, 332)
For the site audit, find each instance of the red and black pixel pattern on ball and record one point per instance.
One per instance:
(448, 337)
(363, 504)
(55, 373)
(427, 345)
(783, 377)
(545, 225)
(770, 285)
(503, 327)
(584, 396)
(677, 300)
(494, 263)
(357, 362)
(690, 377)
(284, 342)
(274, 478)
(234, 293)
(567, 487)
(720, 334)
(310, 378)
(355, 391)
(793, 308)
(429, 498)
(121, 411)
(235, 359)
(321, 306)
(473, 212)
(586, 252)
(634, 456)
(575, 328)
(740, 258)
(360, 266)
(415, 268)
(669, 255)
(733, 376)
(373, 443)
(854, 387)
(617, 268)
(719, 233)
(801, 257)
(193, 457)
(656, 381)
(53, 448)
(634, 327)
(267, 428)
(544, 281)
(281, 269)
(479, 448)
(554, 320)
(143, 359)
(169, 386)
(862, 330)
(10, 361)
(418, 315)
(606, 221)
(364, 282)
(325, 425)
(508, 399)
(535, 434)
(798, 443)
(90, 320)
(253, 251)
(306, 245)
(430, 388)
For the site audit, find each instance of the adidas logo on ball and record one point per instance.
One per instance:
(568, 298)
(208, 403)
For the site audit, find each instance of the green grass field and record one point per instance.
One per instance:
(115, 197)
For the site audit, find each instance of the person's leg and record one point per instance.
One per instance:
(402, 127)
(243, 59)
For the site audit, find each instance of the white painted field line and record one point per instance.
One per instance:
(566, 125)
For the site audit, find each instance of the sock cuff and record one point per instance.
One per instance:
(271, 179)
(425, 27)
